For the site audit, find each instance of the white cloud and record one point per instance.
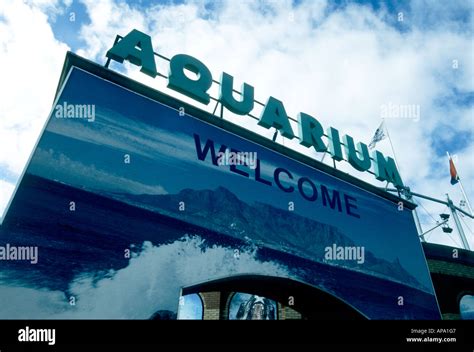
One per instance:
(107, 19)
(30, 64)
(51, 8)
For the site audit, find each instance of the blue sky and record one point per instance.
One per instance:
(66, 30)
(339, 61)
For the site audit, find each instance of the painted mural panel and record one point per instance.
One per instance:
(127, 201)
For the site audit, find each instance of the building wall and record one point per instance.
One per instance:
(212, 302)
(287, 313)
(452, 273)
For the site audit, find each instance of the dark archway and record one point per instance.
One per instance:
(311, 302)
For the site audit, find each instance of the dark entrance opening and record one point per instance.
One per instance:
(310, 302)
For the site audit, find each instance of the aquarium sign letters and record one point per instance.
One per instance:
(136, 47)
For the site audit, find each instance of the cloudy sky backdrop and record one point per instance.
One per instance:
(339, 61)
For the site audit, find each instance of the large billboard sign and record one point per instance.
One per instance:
(127, 200)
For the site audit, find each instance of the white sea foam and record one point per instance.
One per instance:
(151, 281)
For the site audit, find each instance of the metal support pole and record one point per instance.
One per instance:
(465, 197)
(440, 224)
(408, 196)
(462, 187)
(458, 223)
(418, 227)
(434, 200)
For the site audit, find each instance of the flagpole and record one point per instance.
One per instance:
(465, 197)
(409, 197)
(461, 186)
(393, 150)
